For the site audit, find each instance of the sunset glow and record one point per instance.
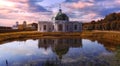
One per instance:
(43, 10)
(4, 3)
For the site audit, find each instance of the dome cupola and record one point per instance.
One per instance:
(61, 16)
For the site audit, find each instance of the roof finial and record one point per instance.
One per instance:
(59, 6)
(60, 10)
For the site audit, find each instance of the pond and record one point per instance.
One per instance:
(59, 52)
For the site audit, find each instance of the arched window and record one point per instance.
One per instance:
(60, 27)
(45, 41)
(67, 27)
(44, 27)
(53, 27)
(75, 27)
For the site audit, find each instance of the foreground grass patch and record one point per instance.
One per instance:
(106, 35)
(35, 34)
(114, 36)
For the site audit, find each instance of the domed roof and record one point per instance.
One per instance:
(61, 16)
(60, 50)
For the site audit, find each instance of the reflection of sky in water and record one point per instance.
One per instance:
(88, 50)
(23, 51)
(17, 52)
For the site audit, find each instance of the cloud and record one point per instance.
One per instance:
(78, 4)
(71, 0)
(35, 10)
(82, 4)
(4, 3)
(105, 7)
(84, 8)
(35, 7)
(117, 1)
(20, 10)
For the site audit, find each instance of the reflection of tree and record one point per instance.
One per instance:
(118, 52)
(108, 44)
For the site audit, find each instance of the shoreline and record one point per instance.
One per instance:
(107, 35)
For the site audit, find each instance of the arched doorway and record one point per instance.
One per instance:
(75, 27)
(44, 27)
(60, 27)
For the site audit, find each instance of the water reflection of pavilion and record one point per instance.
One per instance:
(60, 46)
(60, 43)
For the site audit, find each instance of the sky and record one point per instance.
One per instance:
(43, 10)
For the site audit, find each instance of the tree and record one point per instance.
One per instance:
(110, 22)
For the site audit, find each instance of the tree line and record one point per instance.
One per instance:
(110, 22)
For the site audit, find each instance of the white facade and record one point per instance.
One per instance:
(59, 26)
(60, 23)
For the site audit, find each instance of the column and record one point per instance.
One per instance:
(64, 28)
(38, 26)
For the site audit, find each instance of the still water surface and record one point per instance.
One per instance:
(58, 52)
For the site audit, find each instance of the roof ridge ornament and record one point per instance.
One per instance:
(60, 10)
(59, 6)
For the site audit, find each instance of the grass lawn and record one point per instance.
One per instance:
(108, 35)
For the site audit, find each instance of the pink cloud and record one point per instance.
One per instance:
(81, 4)
(23, 1)
(117, 1)
(19, 10)
(89, 17)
